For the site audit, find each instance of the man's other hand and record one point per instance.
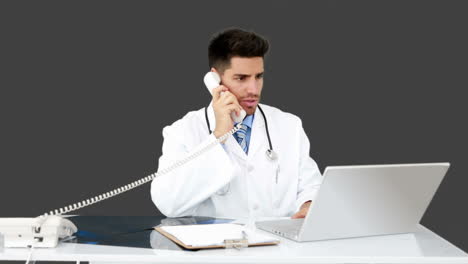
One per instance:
(302, 211)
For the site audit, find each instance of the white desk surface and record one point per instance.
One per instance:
(424, 246)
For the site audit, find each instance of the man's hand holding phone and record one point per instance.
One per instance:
(224, 102)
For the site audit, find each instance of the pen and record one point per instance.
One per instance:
(277, 173)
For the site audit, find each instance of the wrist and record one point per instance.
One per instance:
(305, 205)
(218, 134)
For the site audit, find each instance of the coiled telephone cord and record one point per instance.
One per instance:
(130, 186)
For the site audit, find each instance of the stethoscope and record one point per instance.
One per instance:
(270, 153)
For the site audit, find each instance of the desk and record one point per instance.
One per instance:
(424, 246)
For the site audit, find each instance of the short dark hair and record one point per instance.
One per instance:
(235, 42)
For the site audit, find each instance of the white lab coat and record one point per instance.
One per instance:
(224, 181)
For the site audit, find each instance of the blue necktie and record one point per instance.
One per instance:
(241, 136)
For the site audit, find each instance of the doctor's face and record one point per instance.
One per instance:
(245, 80)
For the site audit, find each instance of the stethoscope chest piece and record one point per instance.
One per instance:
(271, 155)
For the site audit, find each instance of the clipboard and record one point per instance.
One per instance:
(236, 243)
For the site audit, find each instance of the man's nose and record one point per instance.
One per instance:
(253, 87)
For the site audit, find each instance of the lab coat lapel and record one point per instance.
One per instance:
(258, 137)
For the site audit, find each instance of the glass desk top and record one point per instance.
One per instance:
(131, 231)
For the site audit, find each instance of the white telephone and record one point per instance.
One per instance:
(47, 229)
(37, 232)
(212, 80)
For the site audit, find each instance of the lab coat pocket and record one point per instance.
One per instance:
(283, 191)
(276, 190)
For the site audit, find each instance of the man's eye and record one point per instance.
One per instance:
(240, 78)
(260, 76)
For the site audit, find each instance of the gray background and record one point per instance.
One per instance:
(86, 88)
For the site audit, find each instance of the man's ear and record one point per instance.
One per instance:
(215, 70)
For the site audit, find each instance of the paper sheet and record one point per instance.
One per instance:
(214, 235)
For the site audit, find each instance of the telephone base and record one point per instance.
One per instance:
(42, 232)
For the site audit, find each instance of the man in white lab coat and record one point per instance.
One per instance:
(236, 178)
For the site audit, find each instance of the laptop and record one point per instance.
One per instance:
(368, 200)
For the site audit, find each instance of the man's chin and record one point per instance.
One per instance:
(250, 110)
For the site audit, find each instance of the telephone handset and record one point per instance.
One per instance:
(47, 229)
(212, 80)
